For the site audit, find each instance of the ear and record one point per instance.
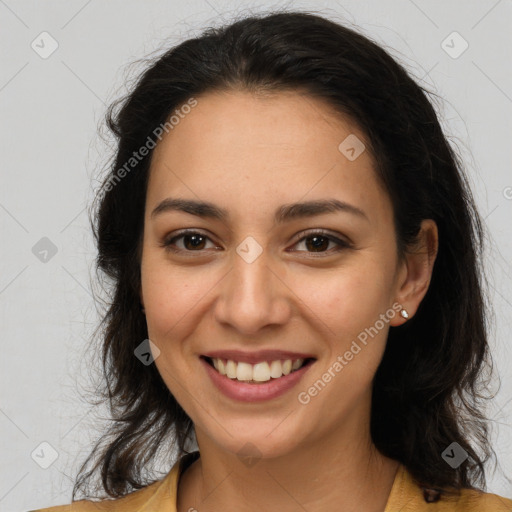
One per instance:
(415, 272)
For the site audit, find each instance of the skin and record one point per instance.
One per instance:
(251, 154)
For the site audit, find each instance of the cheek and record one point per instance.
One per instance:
(172, 293)
(346, 299)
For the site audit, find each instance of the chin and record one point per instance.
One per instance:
(253, 439)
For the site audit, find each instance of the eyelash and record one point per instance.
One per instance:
(168, 243)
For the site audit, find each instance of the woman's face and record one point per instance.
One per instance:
(261, 277)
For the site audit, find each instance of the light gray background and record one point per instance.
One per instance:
(50, 111)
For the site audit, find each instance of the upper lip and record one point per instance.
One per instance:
(258, 356)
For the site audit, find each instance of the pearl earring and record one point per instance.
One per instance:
(404, 313)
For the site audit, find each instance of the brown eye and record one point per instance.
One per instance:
(318, 241)
(191, 241)
(314, 242)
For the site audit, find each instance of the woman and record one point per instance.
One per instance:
(287, 224)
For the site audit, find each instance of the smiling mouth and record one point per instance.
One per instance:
(258, 373)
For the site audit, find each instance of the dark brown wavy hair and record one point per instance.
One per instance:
(428, 391)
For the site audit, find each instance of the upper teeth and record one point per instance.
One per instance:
(259, 372)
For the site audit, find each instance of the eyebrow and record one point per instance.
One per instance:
(283, 214)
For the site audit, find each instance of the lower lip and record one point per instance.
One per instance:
(245, 392)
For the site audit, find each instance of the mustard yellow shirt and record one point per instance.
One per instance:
(405, 496)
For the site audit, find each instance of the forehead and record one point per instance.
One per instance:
(244, 121)
(247, 151)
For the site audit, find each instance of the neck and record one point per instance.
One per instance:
(336, 474)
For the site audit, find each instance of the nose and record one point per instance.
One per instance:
(253, 296)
